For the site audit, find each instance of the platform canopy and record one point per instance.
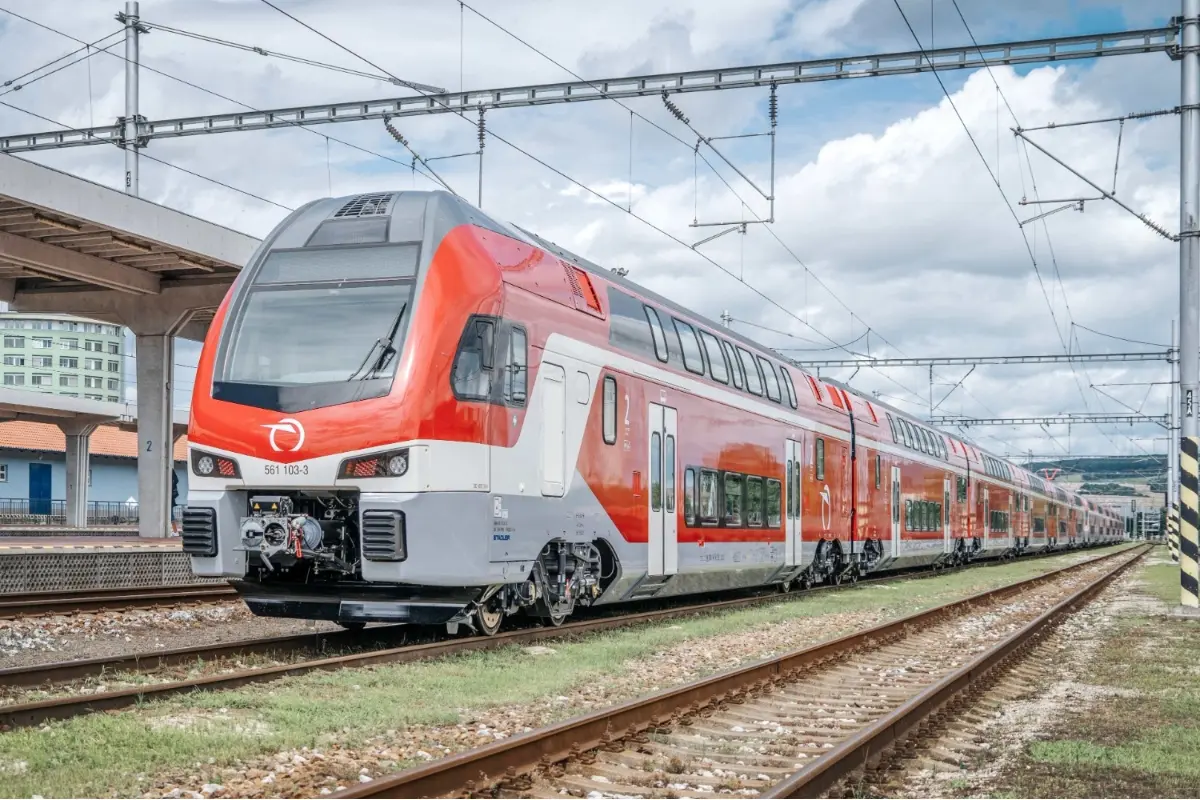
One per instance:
(68, 245)
(71, 246)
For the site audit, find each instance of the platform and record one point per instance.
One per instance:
(83, 543)
(74, 563)
(59, 531)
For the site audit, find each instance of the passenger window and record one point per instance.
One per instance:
(774, 502)
(516, 370)
(788, 387)
(734, 364)
(908, 515)
(708, 497)
(892, 425)
(656, 331)
(820, 459)
(754, 502)
(655, 471)
(610, 410)
(906, 429)
(878, 470)
(693, 360)
(689, 496)
(718, 362)
(753, 378)
(472, 373)
(733, 500)
(768, 371)
(669, 482)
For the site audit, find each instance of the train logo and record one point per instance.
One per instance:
(287, 425)
(826, 508)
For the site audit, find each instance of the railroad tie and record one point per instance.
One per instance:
(1189, 521)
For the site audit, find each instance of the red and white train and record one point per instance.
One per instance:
(407, 411)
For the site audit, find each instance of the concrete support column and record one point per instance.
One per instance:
(155, 356)
(78, 457)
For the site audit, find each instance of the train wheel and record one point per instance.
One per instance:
(489, 618)
(784, 587)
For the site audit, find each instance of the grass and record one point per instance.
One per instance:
(121, 753)
(1143, 738)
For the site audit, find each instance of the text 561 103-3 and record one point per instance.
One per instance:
(285, 469)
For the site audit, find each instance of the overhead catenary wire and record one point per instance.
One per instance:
(183, 81)
(757, 218)
(996, 181)
(598, 195)
(695, 149)
(1118, 338)
(262, 51)
(184, 170)
(1045, 225)
(12, 85)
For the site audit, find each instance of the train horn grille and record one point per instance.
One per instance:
(383, 536)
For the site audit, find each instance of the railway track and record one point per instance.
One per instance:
(36, 603)
(14, 715)
(795, 725)
(380, 646)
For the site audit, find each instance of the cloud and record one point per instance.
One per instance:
(879, 193)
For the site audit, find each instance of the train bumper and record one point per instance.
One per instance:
(413, 606)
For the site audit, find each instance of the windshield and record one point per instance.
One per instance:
(319, 334)
(316, 316)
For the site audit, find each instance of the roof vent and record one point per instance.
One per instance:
(366, 205)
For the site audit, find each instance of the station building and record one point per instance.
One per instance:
(33, 477)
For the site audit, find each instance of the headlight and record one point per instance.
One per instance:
(207, 465)
(391, 464)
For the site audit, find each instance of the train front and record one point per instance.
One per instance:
(318, 377)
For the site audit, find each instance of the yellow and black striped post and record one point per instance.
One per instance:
(1189, 502)
(1173, 532)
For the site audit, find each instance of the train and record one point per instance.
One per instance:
(406, 411)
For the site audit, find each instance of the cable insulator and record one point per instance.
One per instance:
(399, 137)
(773, 106)
(673, 109)
(482, 130)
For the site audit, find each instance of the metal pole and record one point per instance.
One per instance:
(931, 391)
(1173, 411)
(131, 96)
(1189, 297)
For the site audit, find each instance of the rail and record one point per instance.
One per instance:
(35, 603)
(505, 764)
(36, 712)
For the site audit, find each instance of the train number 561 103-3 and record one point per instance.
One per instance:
(285, 469)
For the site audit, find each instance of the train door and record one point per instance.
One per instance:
(553, 391)
(986, 524)
(663, 558)
(844, 490)
(791, 548)
(946, 488)
(895, 512)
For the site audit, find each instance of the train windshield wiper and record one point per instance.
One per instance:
(384, 346)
